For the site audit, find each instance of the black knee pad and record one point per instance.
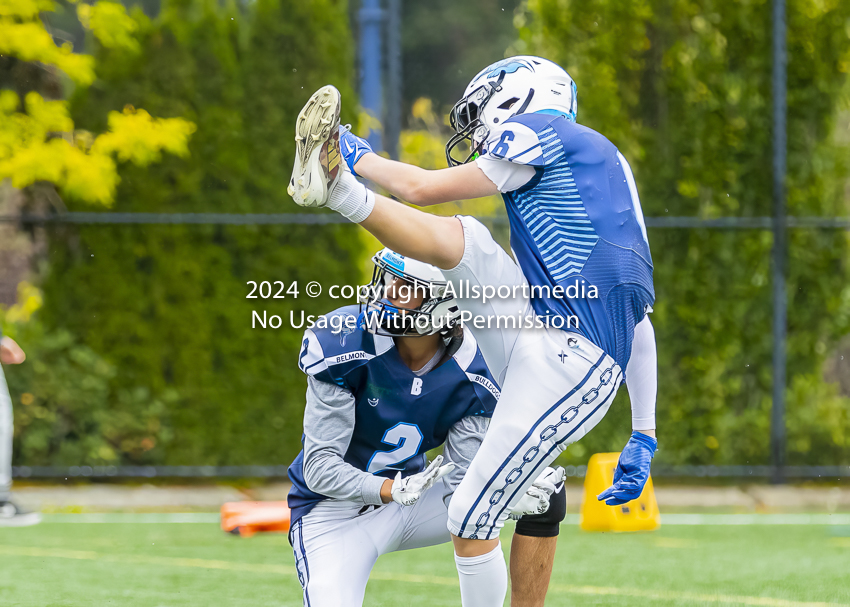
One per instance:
(547, 524)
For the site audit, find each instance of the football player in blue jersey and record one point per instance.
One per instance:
(580, 243)
(384, 387)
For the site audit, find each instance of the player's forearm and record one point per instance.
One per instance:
(422, 187)
(642, 378)
(326, 473)
(404, 181)
(387, 491)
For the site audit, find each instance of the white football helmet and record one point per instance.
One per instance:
(438, 312)
(517, 85)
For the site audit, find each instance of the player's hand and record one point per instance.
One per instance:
(353, 147)
(406, 491)
(10, 352)
(632, 470)
(536, 498)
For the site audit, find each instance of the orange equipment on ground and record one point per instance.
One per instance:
(638, 515)
(247, 518)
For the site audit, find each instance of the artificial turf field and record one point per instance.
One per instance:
(158, 565)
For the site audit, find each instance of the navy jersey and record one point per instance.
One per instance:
(399, 416)
(577, 223)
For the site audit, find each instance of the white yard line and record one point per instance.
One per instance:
(155, 518)
(743, 519)
(572, 519)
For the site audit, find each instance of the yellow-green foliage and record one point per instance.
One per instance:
(22, 35)
(40, 143)
(110, 24)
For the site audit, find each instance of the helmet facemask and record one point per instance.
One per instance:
(381, 316)
(466, 120)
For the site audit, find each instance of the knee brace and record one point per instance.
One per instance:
(547, 524)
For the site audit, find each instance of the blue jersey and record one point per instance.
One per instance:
(399, 416)
(577, 223)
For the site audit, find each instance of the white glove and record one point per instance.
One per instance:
(536, 498)
(407, 490)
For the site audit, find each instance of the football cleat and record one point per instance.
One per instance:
(318, 163)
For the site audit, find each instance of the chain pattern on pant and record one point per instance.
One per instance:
(547, 433)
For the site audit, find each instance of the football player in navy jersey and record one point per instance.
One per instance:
(384, 387)
(580, 243)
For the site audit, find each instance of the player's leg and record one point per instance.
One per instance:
(334, 558)
(429, 238)
(486, 267)
(533, 552)
(425, 521)
(11, 515)
(321, 179)
(483, 578)
(558, 386)
(467, 253)
(531, 564)
(5, 440)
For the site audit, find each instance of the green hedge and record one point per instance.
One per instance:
(683, 89)
(165, 306)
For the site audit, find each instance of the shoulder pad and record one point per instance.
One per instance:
(334, 346)
(525, 139)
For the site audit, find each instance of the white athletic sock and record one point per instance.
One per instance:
(351, 199)
(483, 579)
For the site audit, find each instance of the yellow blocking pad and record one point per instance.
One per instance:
(638, 515)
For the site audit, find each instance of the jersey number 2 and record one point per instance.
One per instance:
(406, 437)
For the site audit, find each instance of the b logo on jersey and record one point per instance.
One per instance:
(416, 388)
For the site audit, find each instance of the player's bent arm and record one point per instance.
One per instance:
(462, 443)
(412, 233)
(423, 187)
(328, 426)
(642, 378)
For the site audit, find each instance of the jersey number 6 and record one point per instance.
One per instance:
(406, 437)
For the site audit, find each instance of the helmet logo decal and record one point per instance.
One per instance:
(395, 260)
(509, 66)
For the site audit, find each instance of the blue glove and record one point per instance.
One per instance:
(353, 147)
(632, 470)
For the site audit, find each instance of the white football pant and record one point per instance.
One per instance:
(556, 386)
(336, 547)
